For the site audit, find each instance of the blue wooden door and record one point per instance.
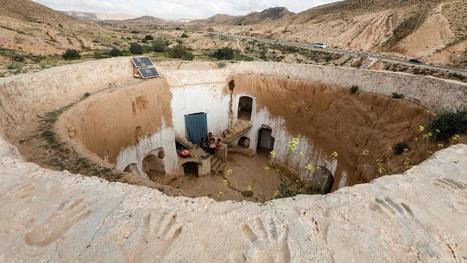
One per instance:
(196, 126)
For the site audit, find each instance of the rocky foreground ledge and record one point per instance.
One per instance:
(49, 216)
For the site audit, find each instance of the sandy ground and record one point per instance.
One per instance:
(247, 173)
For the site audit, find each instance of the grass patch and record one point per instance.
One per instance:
(66, 158)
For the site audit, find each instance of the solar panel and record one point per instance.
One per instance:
(145, 67)
(143, 62)
(147, 73)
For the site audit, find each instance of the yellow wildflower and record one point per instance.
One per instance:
(334, 155)
(293, 144)
(272, 154)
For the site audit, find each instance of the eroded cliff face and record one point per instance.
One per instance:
(337, 121)
(106, 123)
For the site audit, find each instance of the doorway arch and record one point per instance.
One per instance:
(245, 108)
(265, 140)
(132, 168)
(190, 169)
(154, 164)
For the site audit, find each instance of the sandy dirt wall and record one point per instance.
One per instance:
(23, 97)
(334, 119)
(107, 122)
(433, 93)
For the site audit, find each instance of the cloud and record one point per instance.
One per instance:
(175, 9)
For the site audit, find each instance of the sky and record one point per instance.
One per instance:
(177, 9)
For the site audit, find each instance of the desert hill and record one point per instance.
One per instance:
(434, 31)
(90, 16)
(30, 11)
(144, 23)
(144, 20)
(31, 28)
(267, 15)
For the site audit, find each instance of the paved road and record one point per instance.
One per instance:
(381, 57)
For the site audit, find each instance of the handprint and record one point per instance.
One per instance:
(58, 223)
(266, 245)
(154, 237)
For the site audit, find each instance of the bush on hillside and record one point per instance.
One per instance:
(71, 54)
(225, 53)
(160, 45)
(115, 52)
(136, 49)
(148, 38)
(180, 51)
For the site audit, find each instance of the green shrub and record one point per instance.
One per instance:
(160, 45)
(180, 51)
(449, 123)
(115, 52)
(178, 28)
(284, 190)
(18, 58)
(400, 148)
(396, 95)
(148, 38)
(185, 35)
(354, 89)
(136, 48)
(225, 53)
(71, 54)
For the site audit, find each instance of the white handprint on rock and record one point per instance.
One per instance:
(265, 245)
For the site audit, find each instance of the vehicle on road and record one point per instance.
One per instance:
(415, 61)
(319, 45)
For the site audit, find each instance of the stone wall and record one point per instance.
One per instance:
(433, 93)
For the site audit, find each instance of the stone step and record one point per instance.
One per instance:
(221, 168)
(215, 164)
(239, 128)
